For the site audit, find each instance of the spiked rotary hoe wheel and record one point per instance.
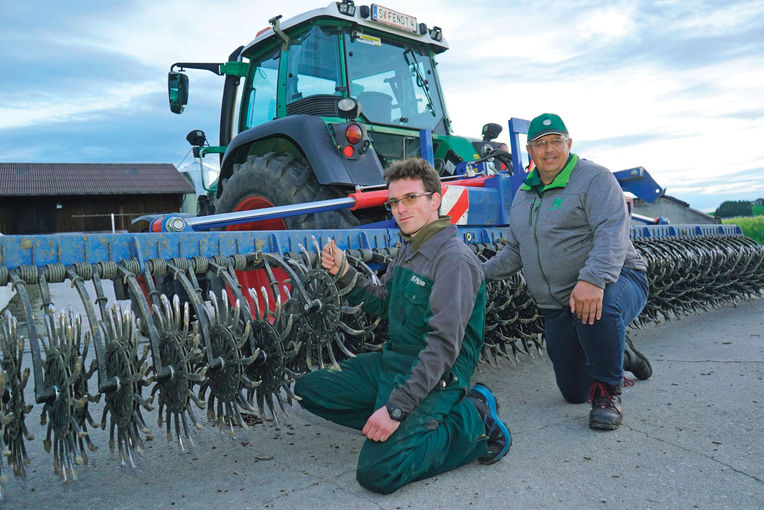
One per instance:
(234, 331)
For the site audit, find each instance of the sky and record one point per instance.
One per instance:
(676, 87)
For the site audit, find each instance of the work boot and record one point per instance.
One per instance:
(636, 362)
(606, 413)
(497, 433)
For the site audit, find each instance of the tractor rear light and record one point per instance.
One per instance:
(350, 139)
(353, 133)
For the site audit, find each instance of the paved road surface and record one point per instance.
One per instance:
(692, 437)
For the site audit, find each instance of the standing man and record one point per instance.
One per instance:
(409, 398)
(569, 232)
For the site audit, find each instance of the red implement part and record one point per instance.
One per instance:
(368, 199)
(258, 279)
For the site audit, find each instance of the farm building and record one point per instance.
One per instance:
(38, 198)
(677, 211)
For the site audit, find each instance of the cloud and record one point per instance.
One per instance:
(610, 23)
(114, 135)
(84, 107)
(672, 86)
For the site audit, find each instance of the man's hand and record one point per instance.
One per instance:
(586, 302)
(380, 426)
(332, 257)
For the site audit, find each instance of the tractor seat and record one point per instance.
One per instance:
(376, 106)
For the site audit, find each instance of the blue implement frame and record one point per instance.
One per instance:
(40, 250)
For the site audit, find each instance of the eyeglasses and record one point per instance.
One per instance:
(407, 199)
(554, 142)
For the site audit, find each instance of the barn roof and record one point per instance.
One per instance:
(56, 179)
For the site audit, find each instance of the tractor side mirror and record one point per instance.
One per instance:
(491, 131)
(177, 90)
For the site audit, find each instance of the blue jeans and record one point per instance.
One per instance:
(583, 353)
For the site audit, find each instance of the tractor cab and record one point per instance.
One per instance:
(392, 77)
(329, 99)
(378, 58)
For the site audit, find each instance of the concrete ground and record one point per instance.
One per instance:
(692, 437)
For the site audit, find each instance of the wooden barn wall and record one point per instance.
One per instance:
(27, 215)
(43, 215)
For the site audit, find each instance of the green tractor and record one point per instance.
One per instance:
(329, 99)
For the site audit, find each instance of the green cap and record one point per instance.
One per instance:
(545, 124)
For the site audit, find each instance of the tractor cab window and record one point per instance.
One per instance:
(393, 82)
(260, 90)
(313, 66)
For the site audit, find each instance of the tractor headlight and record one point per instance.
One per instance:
(349, 108)
(346, 7)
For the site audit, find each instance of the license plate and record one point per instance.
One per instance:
(394, 18)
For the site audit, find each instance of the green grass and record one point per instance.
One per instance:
(752, 226)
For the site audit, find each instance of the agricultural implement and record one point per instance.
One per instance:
(221, 311)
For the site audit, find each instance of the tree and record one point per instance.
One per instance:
(732, 208)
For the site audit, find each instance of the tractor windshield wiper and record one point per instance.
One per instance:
(421, 82)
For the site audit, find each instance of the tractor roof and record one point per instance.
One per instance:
(333, 11)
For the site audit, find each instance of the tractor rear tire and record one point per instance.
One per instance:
(281, 179)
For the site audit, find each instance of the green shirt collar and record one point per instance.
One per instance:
(533, 181)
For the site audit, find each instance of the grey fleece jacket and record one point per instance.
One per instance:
(575, 228)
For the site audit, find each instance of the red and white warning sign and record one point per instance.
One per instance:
(456, 203)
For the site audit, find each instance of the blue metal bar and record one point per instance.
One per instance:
(483, 206)
(517, 126)
(502, 183)
(639, 182)
(281, 211)
(650, 231)
(425, 146)
(66, 249)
